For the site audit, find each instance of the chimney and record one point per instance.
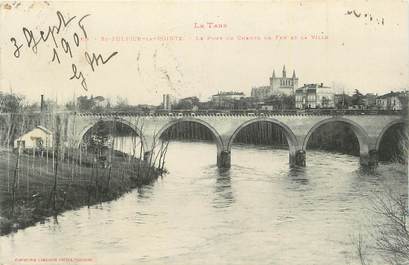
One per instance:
(42, 103)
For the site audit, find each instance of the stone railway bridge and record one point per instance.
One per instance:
(369, 130)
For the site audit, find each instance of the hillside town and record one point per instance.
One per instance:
(282, 93)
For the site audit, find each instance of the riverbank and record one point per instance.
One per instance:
(77, 185)
(259, 202)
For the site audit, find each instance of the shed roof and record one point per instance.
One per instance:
(44, 129)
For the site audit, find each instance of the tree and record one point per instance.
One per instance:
(183, 105)
(391, 235)
(344, 101)
(281, 101)
(70, 106)
(121, 103)
(11, 103)
(85, 104)
(50, 105)
(288, 102)
(97, 139)
(357, 98)
(325, 102)
(32, 107)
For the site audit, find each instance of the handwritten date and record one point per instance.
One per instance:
(61, 44)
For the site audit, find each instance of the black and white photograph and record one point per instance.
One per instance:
(204, 132)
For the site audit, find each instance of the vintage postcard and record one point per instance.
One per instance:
(204, 132)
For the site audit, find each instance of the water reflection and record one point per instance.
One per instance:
(259, 212)
(298, 175)
(145, 192)
(223, 190)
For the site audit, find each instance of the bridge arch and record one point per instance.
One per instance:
(386, 128)
(290, 136)
(216, 136)
(116, 120)
(359, 132)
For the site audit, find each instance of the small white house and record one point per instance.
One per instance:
(39, 137)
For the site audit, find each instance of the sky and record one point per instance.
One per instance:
(358, 45)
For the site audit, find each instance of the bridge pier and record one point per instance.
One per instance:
(369, 129)
(297, 158)
(369, 159)
(224, 159)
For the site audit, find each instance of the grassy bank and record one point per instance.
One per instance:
(77, 185)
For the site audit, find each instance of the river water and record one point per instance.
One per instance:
(258, 212)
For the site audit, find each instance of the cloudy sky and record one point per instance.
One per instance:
(362, 45)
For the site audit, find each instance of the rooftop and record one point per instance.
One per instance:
(44, 129)
(312, 86)
(230, 93)
(393, 94)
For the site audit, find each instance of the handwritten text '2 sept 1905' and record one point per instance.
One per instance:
(58, 42)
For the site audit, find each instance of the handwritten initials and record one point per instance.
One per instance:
(52, 32)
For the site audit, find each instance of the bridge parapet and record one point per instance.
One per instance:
(231, 113)
(298, 127)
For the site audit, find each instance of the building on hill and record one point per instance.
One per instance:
(246, 103)
(226, 99)
(392, 101)
(369, 100)
(261, 92)
(312, 96)
(278, 86)
(189, 103)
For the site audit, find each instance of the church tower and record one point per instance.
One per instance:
(294, 81)
(283, 85)
(278, 86)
